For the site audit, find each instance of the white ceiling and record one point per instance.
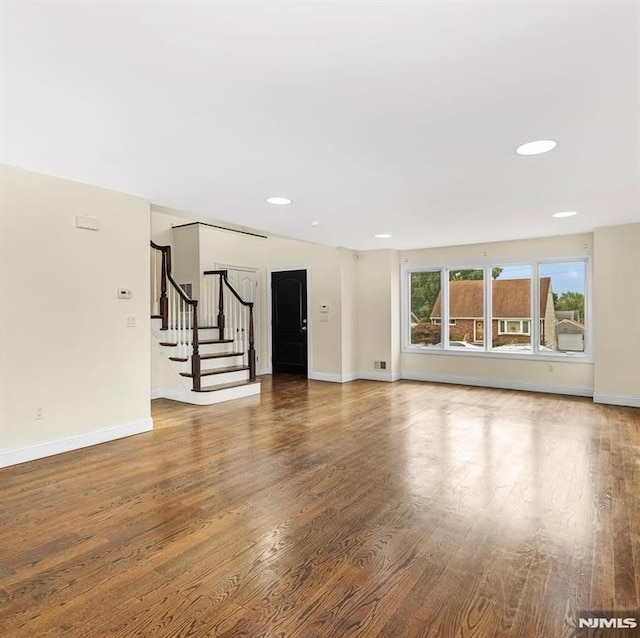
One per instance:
(374, 117)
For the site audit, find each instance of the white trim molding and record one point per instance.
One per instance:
(617, 399)
(499, 384)
(333, 378)
(49, 448)
(379, 376)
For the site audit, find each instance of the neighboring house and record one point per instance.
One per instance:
(574, 315)
(511, 311)
(570, 336)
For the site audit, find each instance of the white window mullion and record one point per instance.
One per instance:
(444, 318)
(488, 311)
(535, 308)
(587, 320)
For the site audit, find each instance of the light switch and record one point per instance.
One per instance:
(125, 293)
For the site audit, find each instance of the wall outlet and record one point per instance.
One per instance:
(379, 365)
(131, 322)
(38, 412)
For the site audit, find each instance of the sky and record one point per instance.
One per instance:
(565, 277)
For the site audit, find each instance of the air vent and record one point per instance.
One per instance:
(379, 365)
(187, 289)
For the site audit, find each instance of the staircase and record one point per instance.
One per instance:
(216, 361)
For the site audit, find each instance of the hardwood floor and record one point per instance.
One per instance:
(324, 510)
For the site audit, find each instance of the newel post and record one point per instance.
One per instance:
(164, 301)
(195, 356)
(252, 351)
(221, 306)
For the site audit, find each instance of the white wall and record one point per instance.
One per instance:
(65, 345)
(378, 320)
(323, 287)
(617, 314)
(349, 337)
(186, 269)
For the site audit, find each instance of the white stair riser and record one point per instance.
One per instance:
(213, 348)
(209, 398)
(228, 394)
(223, 362)
(208, 333)
(224, 377)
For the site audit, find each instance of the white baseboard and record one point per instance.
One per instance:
(41, 450)
(333, 378)
(379, 376)
(500, 384)
(352, 376)
(325, 376)
(617, 399)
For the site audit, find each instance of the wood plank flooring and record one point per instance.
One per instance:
(321, 510)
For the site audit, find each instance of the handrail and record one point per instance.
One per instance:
(251, 352)
(183, 295)
(166, 250)
(229, 286)
(166, 275)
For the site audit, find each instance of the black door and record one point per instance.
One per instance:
(289, 321)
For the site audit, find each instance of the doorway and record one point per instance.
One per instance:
(289, 322)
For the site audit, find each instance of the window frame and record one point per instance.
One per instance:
(534, 322)
(522, 331)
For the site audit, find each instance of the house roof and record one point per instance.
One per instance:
(511, 299)
(571, 322)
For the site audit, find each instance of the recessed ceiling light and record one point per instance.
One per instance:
(382, 236)
(536, 147)
(315, 223)
(566, 213)
(279, 201)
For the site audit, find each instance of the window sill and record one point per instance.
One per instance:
(483, 354)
